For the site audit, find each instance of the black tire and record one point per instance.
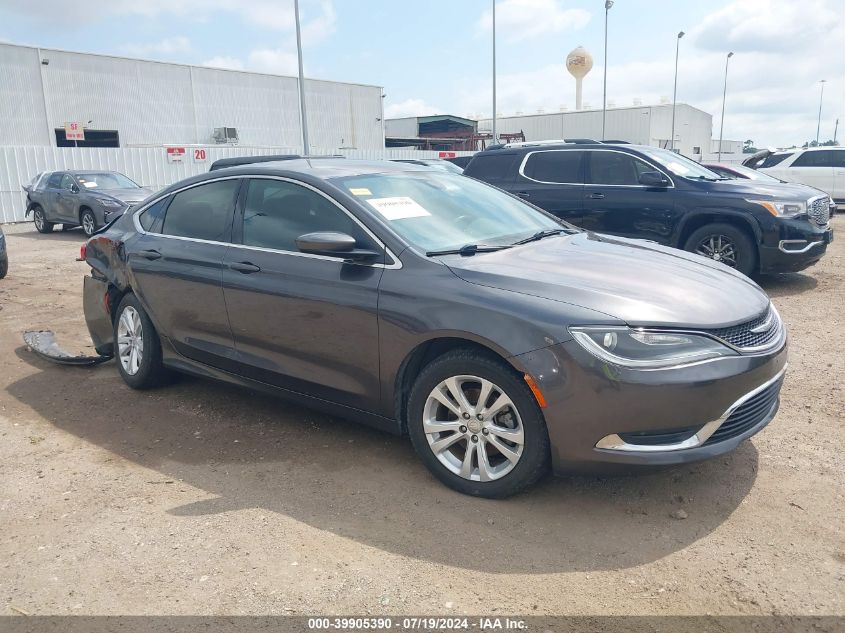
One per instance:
(745, 251)
(535, 458)
(4, 266)
(88, 222)
(40, 219)
(150, 371)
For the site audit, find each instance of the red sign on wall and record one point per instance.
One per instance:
(446, 155)
(74, 131)
(175, 154)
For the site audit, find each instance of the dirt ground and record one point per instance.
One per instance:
(205, 499)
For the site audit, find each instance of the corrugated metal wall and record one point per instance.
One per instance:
(155, 103)
(148, 166)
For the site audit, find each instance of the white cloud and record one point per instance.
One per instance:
(523, 19)
(224, 61)
(409, 107)
(277, 61)
(167, 46)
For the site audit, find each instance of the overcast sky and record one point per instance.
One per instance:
(433, 56)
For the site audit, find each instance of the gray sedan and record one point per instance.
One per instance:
(89, 199)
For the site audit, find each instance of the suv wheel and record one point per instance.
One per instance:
(476, 425)
(88, 222)
(41, 223)
(724, 243)
(137, 346)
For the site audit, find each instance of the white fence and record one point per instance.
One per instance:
(148, 166)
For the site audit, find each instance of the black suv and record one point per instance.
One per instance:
(646, 192)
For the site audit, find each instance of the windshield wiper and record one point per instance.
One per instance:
(467, 250)
(539, 235)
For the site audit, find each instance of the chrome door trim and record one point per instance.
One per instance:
(137, 223)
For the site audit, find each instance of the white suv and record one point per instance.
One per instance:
(819, 167)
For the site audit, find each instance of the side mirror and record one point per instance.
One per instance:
(654, 179)
(333, 244)
(74, 188)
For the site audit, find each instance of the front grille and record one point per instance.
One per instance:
(743, 336)
(748, 414)
(819, 210)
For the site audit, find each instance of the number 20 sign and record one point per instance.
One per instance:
(200, 155)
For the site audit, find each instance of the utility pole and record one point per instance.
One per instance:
(303, 116)
(724, 96)
(607, 5)
(821, 98)
(675, 90)
(494, 72)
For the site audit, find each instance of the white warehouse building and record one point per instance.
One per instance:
(125, 102)
(643, 125)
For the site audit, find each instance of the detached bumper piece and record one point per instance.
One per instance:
(43, 344)
(750, 412)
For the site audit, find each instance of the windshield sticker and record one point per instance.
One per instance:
(360, 191)
(90, 185)
(398, 208)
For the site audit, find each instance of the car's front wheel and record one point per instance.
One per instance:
(724, 243)
(137, 346)
(88, 222)
(476, 425)
(40, 219)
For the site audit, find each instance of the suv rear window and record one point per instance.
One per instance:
(492, 166)
(775, 159)
(558, 166)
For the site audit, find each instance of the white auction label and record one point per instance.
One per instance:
(398, 208)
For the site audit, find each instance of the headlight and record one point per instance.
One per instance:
(650, 350)
(782, 208)
(112, 204)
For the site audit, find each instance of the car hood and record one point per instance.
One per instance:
(131, 196)
(764, 190)
(635, 281)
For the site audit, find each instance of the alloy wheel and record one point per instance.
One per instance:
(39, 219)
(719, 248)
(88, 224)
(130, 340)
(473, 428)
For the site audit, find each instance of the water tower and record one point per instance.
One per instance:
(579, 62)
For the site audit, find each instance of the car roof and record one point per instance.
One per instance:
(543, 145)
(324, 168)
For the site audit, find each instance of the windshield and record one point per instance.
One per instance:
(106, 180)
(439, 211)
(679, 165)
(445, 165)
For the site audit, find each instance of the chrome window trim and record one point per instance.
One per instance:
(397, 264)
(614, 442)
(593, 184)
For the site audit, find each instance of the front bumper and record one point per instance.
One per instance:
(794, 244)
(590, 401)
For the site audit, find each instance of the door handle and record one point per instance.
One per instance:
(151, 255)
(596, 196)
(244, 267)
(523, 194)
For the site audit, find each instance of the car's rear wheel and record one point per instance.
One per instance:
(4, 266)
(476, 425)
(137, 346)
(88, 222)
(724, 243)
(41, 223)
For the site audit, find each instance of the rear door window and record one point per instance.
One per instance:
(203, 212)
(151, 218)
(822, 158)
(560, 167)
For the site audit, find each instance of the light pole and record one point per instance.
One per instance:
(724, 95)
(607, 5)
(303, 116)
(821, 97)
(494, 71)
(675, 89)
